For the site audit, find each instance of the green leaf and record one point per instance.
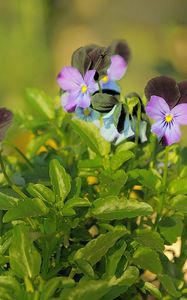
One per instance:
(85, 267)
(131, 103)
(178, 186)
(146, 177)
(179, 203)
(77, 202)
(11, 287)
(41, 191)
(152, 289)
(52, 285)
(7, 199)
(91, 289)
(125, 147)
(111, 208)
(41, 103)
(119, 158)
(103, 102)
(94, 250)
(171, 228)
(26, 208)
(147, 259)
(24, 258)
(168, 285)
(60, 180)
(113, 257)
(121, 284)
(112, 183)
(91, 136)
(150, 238)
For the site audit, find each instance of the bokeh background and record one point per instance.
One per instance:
(37, 38)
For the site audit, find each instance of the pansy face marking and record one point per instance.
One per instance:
(168, 118)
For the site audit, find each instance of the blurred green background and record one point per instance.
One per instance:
(37, 38)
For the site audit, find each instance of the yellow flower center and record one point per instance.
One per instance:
(84, 88)
(105, 79)
(86, 112)
(168, 118)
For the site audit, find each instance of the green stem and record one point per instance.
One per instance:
(100, 89)
(13, 186)
(138, 124)
(153, 150)
(164, 182)
(23, 156)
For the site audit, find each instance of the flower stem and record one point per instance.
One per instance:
(100, 89)
(13, 186)
(138, 124)
(164, 182)
(23, 156)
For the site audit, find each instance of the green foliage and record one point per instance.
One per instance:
(88, 219)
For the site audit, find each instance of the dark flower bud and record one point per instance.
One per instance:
(121, 48)
(6, 117)
(91, 57)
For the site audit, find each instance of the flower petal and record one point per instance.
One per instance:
(172, 134)
(111, 85)
(165, 88)
(183, 91)
(84, 100)
(117, 68)
(157, 108)
(121, 48)
(159, 128)
(69, 79)
(6, 117)
(109, 133)
(180, 113)
(68, 103)
(89, 77)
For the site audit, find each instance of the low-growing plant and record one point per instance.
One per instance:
(86, 212)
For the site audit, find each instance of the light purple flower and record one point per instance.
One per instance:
(167, 120)
(78, 87)
(115, 72)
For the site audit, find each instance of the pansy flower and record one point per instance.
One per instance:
(115, 72)
(87, 114)
(6, 117)
(78, 88)
(168, 107)
(120, 54)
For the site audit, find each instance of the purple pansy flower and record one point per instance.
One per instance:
(115, 72)
(167, 106)
(78, 88)
(167, 120)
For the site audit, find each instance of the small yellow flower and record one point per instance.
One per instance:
(91, 180)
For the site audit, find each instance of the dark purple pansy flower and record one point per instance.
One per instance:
(6, 117)
(78, 88)
(167, 105)
(167, 88)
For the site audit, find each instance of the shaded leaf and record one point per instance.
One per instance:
(147, 259)
(150, 238)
